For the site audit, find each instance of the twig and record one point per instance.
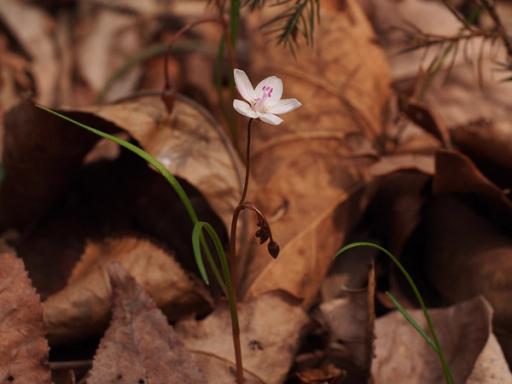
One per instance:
(72, 364)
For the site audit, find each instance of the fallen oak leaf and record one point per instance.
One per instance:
(82, 307)
(23, 347)
(309, 167)
(140, 346)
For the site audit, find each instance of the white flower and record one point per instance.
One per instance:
(265, 101)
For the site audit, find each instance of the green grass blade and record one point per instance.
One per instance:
(226, 282)
(411, 321)
(446, 369)
(217, 243)
(197, 237)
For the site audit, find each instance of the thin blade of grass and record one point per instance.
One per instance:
(197, 235)
(448, 376)
(411, 321)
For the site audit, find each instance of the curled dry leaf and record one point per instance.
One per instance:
(188, 142)
(82, 307)
(270, 328)
(457, 174)
(465, 332)
(23, 347)
(140, 346)
(310, 166)
(489, 144)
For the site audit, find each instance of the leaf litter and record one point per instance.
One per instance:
(374, 153)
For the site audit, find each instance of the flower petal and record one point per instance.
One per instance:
(270, 118)
(276, 84)
(284, 106)
(244, 86)
(244, 109)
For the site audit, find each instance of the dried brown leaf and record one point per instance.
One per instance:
(23, 347)
(37, 170)
(489, 145)
(140, 346)
(310, 166)
(457, 174)
(270, 330)
(82, 307)
(188, 142)
(465, 333)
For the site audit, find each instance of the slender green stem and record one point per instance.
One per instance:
(446, 369)
(240, 207)
(247, 162)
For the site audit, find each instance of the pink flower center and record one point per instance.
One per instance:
(267, 91)
(260, 101)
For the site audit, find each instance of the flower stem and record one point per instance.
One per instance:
(233, 264)
(240, 206)
(247, 162)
